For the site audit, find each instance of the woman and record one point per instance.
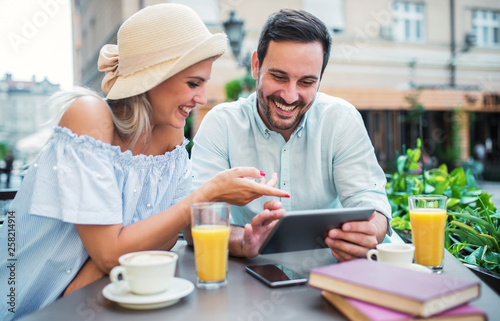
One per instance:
(115, 178)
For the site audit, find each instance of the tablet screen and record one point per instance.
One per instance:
(307, 229)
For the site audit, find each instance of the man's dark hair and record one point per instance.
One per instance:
(297, 26)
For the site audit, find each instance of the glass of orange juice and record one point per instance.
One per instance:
(428, 221)
(210, 231)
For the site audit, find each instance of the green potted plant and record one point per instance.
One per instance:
(473, 225)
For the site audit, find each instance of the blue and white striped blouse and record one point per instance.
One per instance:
(77, 180)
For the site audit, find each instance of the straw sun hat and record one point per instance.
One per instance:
(154, 44)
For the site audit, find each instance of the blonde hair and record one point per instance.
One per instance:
(131, 116)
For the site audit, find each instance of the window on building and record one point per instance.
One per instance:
(207, 9)
(408, 21)
(331, 12)
(486, 24)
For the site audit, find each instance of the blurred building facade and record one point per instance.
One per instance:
(23, 108)
(413, 68)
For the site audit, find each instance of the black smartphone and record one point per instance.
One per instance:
(275, 275)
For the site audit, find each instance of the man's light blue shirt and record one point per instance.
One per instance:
(328, 162)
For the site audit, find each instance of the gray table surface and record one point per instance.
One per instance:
(243, 299)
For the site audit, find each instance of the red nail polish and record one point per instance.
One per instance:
(262, 173)
(287, 196)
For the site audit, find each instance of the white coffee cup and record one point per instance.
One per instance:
(145, 272)
(393, 253)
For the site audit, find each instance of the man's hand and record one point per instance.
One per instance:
(354, 239)
(246, 242)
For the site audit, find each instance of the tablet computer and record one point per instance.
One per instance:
(307, 229)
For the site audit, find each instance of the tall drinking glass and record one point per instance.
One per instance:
(428, 221)
(210, 230)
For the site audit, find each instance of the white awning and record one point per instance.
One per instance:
(35, 142)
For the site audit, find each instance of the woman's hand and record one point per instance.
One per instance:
(234, 186)
(87, 274)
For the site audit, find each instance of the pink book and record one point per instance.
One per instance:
(356, 310)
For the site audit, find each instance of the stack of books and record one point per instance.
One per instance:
(373, 291)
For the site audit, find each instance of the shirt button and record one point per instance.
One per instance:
(35, 165)
(54, 168)
(68, 271)
(284, 150)
(135, 191)
(149, 205)
(284, 183)
(161, 178)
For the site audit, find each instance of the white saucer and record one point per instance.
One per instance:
(117, 292)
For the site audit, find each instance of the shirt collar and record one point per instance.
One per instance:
(266, 132)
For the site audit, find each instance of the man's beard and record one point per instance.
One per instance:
(286, 122)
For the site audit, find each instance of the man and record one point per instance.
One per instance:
(316, 143)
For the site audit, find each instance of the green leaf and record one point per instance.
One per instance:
(401, 164)
(470, 211)
(468, 199)
(485, 201)
(491, 240)
(458, 177)
(471, 180)
(416, 154)
(463, 226)
(443, 168)
(429, 189)
(455, 193)
(470, 259)
(492, 257)
(439, 179)
(457, 247)
(397, 213)
(471, 191)
(491, 261)
(419, 143)
(476, 256)
(450, 202)
(480, 221)
(487, 242)
(400, 223)
(401, 184)
(441, 188)
(413, 166)
(466, 236)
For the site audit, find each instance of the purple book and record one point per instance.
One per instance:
(393, 287)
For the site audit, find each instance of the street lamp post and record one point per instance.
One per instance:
(235, 31)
